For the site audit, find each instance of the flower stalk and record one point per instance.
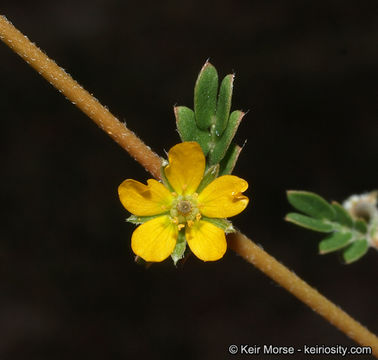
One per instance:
(152, 163)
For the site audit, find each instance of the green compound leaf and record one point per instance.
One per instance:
(342, 216)
(361, 226)
(224, 104)
(187, 128)
(210, 174)
(223, 224)
(309, 223)
(205, 96)
(334, 242)
(179, 251)
(221, 146)
(311, 204)
(355, 251)
(228, 162)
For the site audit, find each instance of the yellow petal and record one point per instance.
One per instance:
(186, 167)
(155, 240)
(145, 200)
(223, 197)
(206, 241)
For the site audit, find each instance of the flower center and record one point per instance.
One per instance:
(184, 210)
(184, 207)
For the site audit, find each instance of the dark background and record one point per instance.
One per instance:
(69, 288)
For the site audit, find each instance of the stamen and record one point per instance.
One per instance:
(190, 223)
(180, 226)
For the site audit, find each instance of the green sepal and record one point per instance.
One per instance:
(334, 242)
(205, 96)
(355, 250)
(188, 130)
(223, 224)
(141, 219)
(210, 175)
(222, 144)
(311, 204)
(361, 226)
(179, 250)
(229, 161)
(309, 223)
(164, 179)
(224, 104)
(141, 261)
(342, 216)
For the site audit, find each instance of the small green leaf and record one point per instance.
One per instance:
(185, 121)
(311, 204)
(205, 96)
(187, 128)
(309, 223)
(210, 175)
(360, 225)
(178, 252)
(228, 162)
(221, 146)
(140, 219)
(224, 104)
(355, 251)
(342, 216)
(223, 224)
(334, 242)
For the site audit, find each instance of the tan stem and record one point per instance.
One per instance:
(300, 289)
(152, 163)
(88, 104)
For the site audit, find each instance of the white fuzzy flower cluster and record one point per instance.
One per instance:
(365, 206)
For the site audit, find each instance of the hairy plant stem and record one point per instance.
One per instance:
(152, 163)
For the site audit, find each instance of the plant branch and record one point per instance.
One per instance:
(300, 289)
(152, 163)
(87, 103)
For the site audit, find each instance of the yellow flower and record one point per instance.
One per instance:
(183, 209)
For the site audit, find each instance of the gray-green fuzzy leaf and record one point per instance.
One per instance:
(360, 225)
(228, 162)
(210, 175)
(311, 204)
(309, 223)
(205, 96)
(164, 179)
(188, 130)
(223, 224)
(221, 145)
(140, 219)
(224, 104)
(334, 242)
(355, 250)
(179, 251)
(342, 216)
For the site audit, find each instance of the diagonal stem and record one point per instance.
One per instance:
(241, 244)
(80, 97)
